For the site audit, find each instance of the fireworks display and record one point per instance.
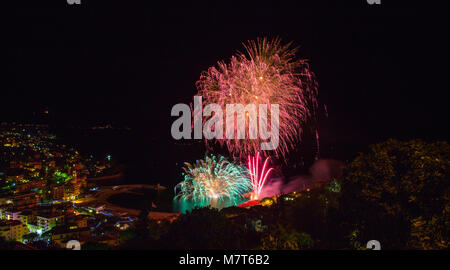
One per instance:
(213, 179)
(258, 179)
(267, 74)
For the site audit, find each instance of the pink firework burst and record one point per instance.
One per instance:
(258, 178)
(268, 73)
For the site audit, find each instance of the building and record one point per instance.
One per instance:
(9, 214)
(13, 230)
(110, 240)
(47, 221)
(28, 200)
(14, 164)
(74, 188)
(25, 217)
(37, 165)
(67, 192)
(81, 221)
(62, 234)
(65, 208)
(58, 192)
(37, 221)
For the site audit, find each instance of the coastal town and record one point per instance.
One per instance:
(47, 196)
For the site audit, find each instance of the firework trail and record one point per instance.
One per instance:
(213, 179)
(258, 178)
(267, 74)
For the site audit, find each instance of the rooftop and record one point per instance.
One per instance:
(10, 222)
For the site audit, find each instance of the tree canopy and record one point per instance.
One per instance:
(401, 189)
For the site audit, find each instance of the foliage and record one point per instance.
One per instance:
(204, 228)
(30, 237)
(61, 177)
(281, 237)
(399, 191)
(125, 236)
(142, 225)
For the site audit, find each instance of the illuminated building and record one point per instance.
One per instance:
(13, 230)
(25, 217)
(27, 200)
(9, 214)
(46, 222)
(81, 221)
(15, 164)
(58, 192)
(62, 234)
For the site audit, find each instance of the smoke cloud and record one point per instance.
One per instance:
(323, 170)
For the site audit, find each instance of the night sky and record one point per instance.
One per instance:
(380, 68)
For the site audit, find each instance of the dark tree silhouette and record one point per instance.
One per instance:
(399, 194)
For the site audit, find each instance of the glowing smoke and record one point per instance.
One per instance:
(323, 170)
